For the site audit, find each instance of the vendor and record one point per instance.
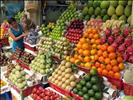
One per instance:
(16, 33)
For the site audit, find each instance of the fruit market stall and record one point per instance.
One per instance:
(87, 54)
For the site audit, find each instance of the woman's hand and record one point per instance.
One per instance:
(24, 34)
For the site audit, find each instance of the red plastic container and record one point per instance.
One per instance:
(128, 89)
(76, 97)
(57, 88)
(29, 47)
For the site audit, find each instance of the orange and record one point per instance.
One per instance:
(117, 75)
(98, 46)
(93, 51)
(86, 53)
(94, 46)
(111, 73)
(110, 49)
(80, 58)
(82, 40)
(76, 56)
(80, 51)
(107, 60)
(96, 57)
(85, 34)
(75, 49)
(77, 62)
(90, 35)
(79, 45)
(94, 31)
(115, 69)
(103, 47)
(101, 59)
(85, 46)
(92, 41)
(97, 41)
(96, 36)
(105, 54)
(72, 60)
(108, 67)
(104, 72)
(119, 54)
(113, 62)
(99, 52)
(120, 59)
(121, 66)
(86, 59)
(112, 55)
(97, 64)
(94, 67)
(88, 65)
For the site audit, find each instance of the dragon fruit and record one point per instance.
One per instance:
(126, 57)
(128, 41)
(116, 31)
(115, 45)
(103, 40)
(110, 39)
(130, 50)
(108, 32)
(120, 39)
(122, 48)
(131, 59)
(126, 31)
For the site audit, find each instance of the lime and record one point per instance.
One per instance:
(98, 95)
(95, 88)
(86, 97)
(91, 93)
(88, 85)
(94, 79)
(80, 93)
(84, 89)
(82, 82)
(79, 87)
(75, 90)
(93, 71)
(87, 77)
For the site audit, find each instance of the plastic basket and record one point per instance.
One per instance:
(128, 89)
(57, 88)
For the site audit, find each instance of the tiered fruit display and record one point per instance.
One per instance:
(47, 29)
(121, 40)
(64, 76)
(108, 9)
(33, 37)
(42, 63)
(3, 59)
(17, 76)
(67, 16)
(74, 31)
(90, 87)
(61, 47)
(109, 62)
(38, 93)
(86, 48)
(45, 44)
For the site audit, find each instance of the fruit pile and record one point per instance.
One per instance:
(66, 16)
(3, 59)
(121, 40)
(61, 47)
(42, 63)
(47, 29)
(86, 48)
(90, 87)
(17, 76)
(2, 83)
(45, 44)
(108, 9)
(74, 31)
(63, 76)
(38, 93)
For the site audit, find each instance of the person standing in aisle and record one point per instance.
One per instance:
(17, 34)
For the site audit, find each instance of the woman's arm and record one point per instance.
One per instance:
(16, 38)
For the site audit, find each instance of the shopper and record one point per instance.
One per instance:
(24, 21)
(16, 33)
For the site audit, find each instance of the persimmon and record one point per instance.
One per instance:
(86, 53)
(99, 52)
(110, 49)
(86, 59)
(121, 66)
(101, 59)
(119, 59)
(107, 60)
(117, 75)
(105, 54)
(113, 62)
(112, 55)
(111, 73)
(115, 69)
(104, 72)
(108, 67)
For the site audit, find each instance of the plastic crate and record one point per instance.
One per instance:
(22, 64)
(30, 47)
(128, 89)
(60, 90)
(75, 96)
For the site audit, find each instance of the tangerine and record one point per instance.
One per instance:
(86, 59)
(86, 53)
(115, 69)
(112, 55)
(120, 59)
(108, 67)
(117, 75)
(107, 60)
(121, 66)
(113, 62)
(105, 54)
(110, 49)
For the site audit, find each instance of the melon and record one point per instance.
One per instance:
(104, 4)
(97, 11)
(127, 11)
(129, 19)
(114, 3)
(91, 11)
(85, 11)
(114, 16)
(123, 17)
